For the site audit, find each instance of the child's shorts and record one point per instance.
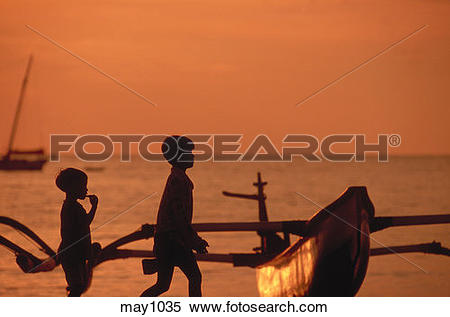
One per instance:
(169, 250)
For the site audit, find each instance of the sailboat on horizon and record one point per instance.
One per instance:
(20, 159)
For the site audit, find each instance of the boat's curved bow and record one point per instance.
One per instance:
(331, 259)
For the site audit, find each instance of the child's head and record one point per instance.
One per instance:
(177, 150)
(73, 182)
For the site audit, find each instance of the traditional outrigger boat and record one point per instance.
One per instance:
(329, 258)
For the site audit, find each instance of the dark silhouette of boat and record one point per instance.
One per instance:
(19, 159)
(331, 257)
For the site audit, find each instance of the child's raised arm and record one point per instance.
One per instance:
(190, 237)
(94, 202)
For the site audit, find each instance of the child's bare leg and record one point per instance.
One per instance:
(162, 285)
(76, 277)
(75, 291)
(192, 272)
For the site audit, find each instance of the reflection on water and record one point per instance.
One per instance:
(404, 186)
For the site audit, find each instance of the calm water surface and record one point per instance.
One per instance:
(404, 186)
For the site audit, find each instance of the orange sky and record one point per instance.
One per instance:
(229, 67)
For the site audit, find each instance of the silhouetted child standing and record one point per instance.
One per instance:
(174, 238)
(75, 247)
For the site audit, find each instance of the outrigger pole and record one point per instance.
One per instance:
(380, 223)
(432, 248)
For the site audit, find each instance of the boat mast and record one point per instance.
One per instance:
(271, 243)
(19, 105)
(261, 199)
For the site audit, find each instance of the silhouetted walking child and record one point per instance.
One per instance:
(75, 248)
(174, 238)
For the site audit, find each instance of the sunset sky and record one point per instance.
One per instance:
(229, 67)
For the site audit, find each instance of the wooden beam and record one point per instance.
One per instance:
(27, 231)
(380, 223)
(245, 196)
(433, 247)
(297, 227)
(237, 259)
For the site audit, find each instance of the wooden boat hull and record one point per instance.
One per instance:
(15, 165)
(331, 259)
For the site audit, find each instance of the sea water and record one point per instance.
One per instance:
(402, 186)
